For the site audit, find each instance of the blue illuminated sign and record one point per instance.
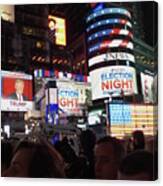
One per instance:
(98, 7)
(109, 21)
(50, 114)
(100, 34)
(120, 114)
(108, 11)
(68, 93)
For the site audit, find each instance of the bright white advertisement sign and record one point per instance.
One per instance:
(71, 97)
(14, 105)
(111, 56)
(51, 96)
(94, 117)
(147, 82)
(7, 13)
(112, 81)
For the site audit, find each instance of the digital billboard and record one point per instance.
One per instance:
(120, 114)
(125, 118)
(71, 97)
(7, 13)
(155, 88)
(16, 91)
(57, 26)
(147, 83)
(111, 56)
(94, 117)
(112, 81)
(107, 11)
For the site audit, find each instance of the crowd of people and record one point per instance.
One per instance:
(107, 158)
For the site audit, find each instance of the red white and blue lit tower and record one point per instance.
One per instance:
(110, 53)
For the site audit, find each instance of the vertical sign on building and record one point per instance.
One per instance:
(57, 30)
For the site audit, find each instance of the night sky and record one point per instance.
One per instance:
(149, 10)
(75, 12)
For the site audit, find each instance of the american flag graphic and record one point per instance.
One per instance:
(108, 22)
(125, 118)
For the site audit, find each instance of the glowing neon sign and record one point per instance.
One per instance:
(108, 11)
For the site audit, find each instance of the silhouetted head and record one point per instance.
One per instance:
(6, 155)
(138, 140)
(138, 165)
(88, 140)
(34, 160)
(108, 154)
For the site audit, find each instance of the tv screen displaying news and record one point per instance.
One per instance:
(16, 91)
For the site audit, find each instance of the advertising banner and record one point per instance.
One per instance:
(111, 56)
(112, 81)
(111, 44)
(120, 114)
(125, 118)
(7, 13)
(94, 117)
(147, 83)
(16, 91)
(51, 96)
(69, 96)
(58, 27)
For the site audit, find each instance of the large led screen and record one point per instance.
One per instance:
(71, 96)
(7, 13)
(16, 91)
(147, 83)
(111, 56)
(94, 117)
(125, 118)
(112, 81)
(58, 26)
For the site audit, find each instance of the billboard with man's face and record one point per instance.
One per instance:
(16, 90)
